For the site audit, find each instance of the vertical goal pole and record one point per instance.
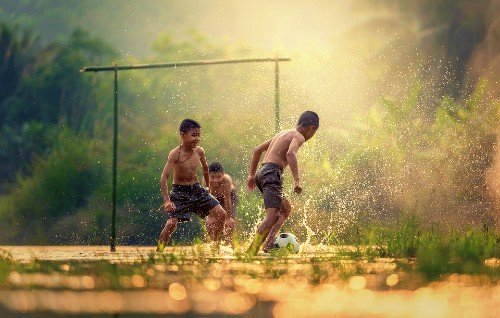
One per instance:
(115, 157)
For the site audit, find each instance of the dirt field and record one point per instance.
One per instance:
(193, 281)
(123, 254)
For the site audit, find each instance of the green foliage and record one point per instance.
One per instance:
(19, 146)
(402, 241)
(39, 89)
(56, 186)
(433, 168)
(455, 252)
(16, 51)
(6, 264)
(50, 92)
(434, 31)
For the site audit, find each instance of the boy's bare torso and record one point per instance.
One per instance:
(185, 165)
(225, 186)
(279, 145)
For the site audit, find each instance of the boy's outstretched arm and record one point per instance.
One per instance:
(291, 157)
(204, 166)
(167, 204)
(257, 152)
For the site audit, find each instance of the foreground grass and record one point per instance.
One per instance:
(201, 280)
(407, 249)
(435, 252)
(422, 257)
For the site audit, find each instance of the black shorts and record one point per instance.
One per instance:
(269, 180)
(234, 203)
(191, 199)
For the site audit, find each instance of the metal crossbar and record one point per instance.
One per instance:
(179, 64)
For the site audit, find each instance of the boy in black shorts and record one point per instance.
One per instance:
(187, 195)
(281, 150)
(222, 188)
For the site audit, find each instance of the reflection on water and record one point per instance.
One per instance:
(194, 282)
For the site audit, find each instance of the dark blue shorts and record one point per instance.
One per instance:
(191, 199)
(269, 180)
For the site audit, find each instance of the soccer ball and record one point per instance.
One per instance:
(288, 241)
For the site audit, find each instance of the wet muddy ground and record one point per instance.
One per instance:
(320, 281)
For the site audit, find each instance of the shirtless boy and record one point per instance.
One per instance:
(187, 195)
(222, 188)
(281, 150)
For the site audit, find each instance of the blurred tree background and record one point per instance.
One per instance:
(407, 93)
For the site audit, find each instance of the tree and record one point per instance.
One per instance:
(41, 88)
(17, 50)
(51, 92)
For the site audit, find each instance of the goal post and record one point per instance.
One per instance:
(115, 68)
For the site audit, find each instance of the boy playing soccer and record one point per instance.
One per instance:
(222, 188)
(187, 195)
(281, 150)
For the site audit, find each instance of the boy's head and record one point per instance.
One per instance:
(188, 124)
(216, 173)
(309, 123)
(190, 132)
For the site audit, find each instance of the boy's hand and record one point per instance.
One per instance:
(297, 187)
(251, 183)
(229, 222)
(169, 206)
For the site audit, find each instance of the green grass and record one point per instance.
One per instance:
(436, 251)
(6, 265)
(463, 253)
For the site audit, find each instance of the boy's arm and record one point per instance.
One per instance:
(291, 157)
(167, 204)
(228, 184)
(257, 152)
(204, 166)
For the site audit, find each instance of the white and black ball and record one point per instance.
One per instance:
(288, 241)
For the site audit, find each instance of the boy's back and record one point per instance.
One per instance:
(280, 143)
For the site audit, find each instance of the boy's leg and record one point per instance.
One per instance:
(165, 234)
(215, 223)
(285, 210)
(228, 231)
(272, 216)
(230, 219)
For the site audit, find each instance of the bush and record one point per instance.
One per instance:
(59, 183)
(6, 263)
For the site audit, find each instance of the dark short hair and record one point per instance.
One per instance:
(215, 167)
(188, 124)
(308, 118)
